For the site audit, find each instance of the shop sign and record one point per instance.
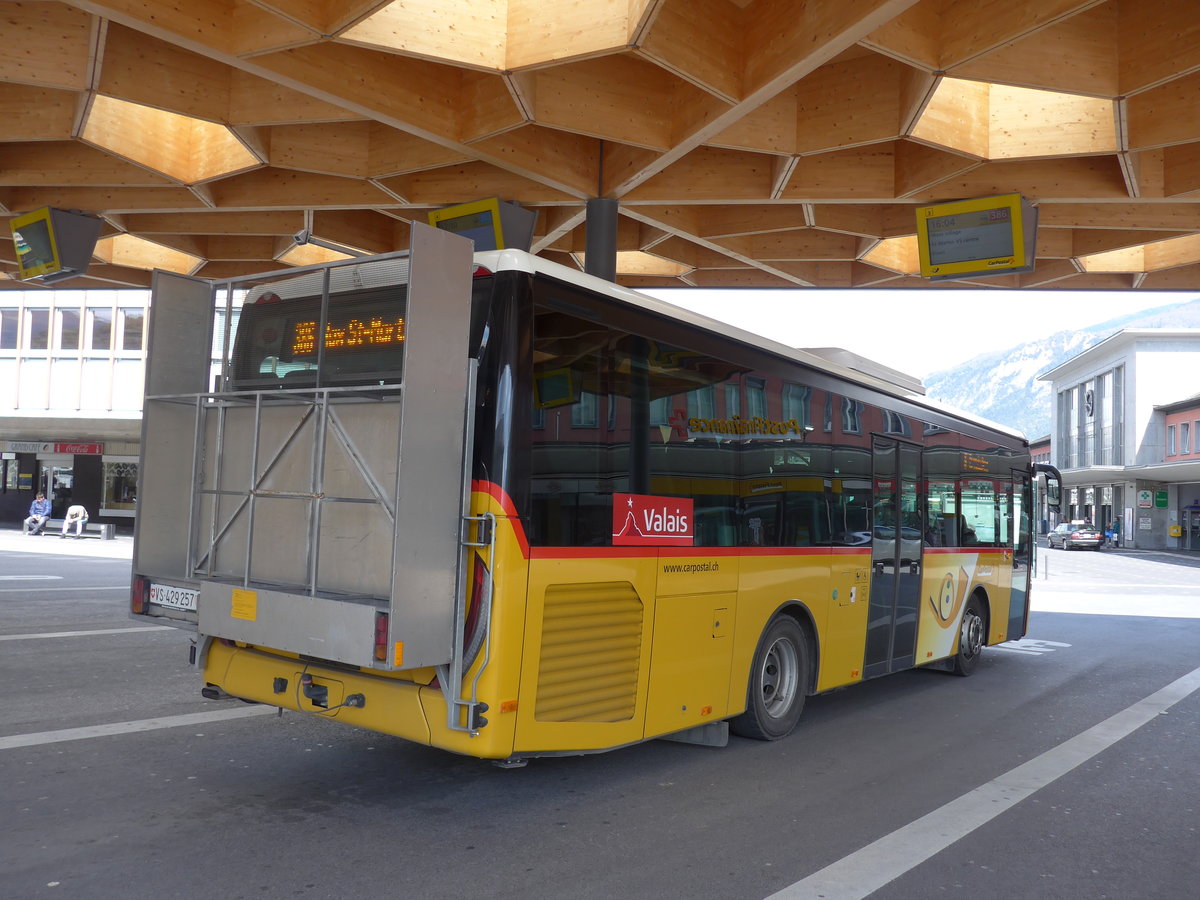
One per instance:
(51, 447)
(1160, 499)
(1145, 499)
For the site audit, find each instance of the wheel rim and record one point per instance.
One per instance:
(971, 638)
(779, 678)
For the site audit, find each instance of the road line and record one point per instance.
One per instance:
(92, 731)
(31, 578)
(865, 871)
(43, 590)
(62, 634)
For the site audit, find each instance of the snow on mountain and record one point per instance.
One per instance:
(1003, 386)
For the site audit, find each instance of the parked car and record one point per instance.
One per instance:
(1075, 534)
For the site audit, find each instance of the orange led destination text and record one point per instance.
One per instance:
(355, 333)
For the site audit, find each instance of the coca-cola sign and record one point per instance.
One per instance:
(640, 520)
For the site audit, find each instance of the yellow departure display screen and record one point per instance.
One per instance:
(376, 332)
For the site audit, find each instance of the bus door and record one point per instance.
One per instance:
(1020, 541)
(896, 538)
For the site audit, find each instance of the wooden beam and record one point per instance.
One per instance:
(1159, 41)
(45, 44)
(700, 42)
(1184, 278)
(1164, 115)
(258, 101)
(1085, 178)
(620, 98)
(334, 149)
(282, 189)
(1086, 241)
(71, 163)
(848, 104)
(921, 168)
(570, 158)
(689, 253)
(1181, 170)
(260, 30)
(230, 223)
(470, 181)
(798, 244)
(860, 220)
(36, 113)
(141, 69)
(99, 199)
(976, 27)
(1077, 55)
(913, 36)
(1150, 216)
(363, 229)
(394, 152)
(866, 173)
(711, 175)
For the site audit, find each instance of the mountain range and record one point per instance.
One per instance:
(1003, 386)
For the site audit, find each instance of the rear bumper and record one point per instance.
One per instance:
(389, 705)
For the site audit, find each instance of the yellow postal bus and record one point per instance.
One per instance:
(490, 504)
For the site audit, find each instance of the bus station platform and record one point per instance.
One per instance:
(14, 540)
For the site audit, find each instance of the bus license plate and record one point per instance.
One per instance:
(174, 597)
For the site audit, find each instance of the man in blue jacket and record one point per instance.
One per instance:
(39, 514)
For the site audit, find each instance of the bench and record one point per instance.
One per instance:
(105, 530)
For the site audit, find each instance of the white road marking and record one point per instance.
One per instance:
(79, 734)
(62, 634)
(865, 871)
(1030, 646)
(31, 578)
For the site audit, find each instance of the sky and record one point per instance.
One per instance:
(918, 332)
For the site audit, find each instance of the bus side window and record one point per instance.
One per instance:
(806, 523)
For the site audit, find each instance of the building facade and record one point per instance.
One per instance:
(1117, 427)
(72, 366)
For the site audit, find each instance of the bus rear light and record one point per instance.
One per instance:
(481, 272)
(381, 636)
(139, 590)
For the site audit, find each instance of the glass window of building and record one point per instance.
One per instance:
(756, 397)
(796, 400)
(1170, 440)
(39, 329)
(102, 320)
(68, 334)
(851, 416)
(584, 411)
(8, 329)
(733, 400)
(660, 411)
(701, 403)
(131, 329)
(1185, 438)
(119, 490)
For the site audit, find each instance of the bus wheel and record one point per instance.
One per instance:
(778, 679)
(971, 637)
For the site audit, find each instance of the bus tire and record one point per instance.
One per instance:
(778, 681)
(972, 637)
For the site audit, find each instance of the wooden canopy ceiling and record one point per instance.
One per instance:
(777, 143)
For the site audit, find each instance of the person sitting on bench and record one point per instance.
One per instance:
(39, 515)
(78, 516)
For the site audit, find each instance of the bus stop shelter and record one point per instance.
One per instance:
(723, 143)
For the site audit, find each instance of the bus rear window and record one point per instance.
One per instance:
(280, 342)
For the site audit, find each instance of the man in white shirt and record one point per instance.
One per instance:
(77, 516)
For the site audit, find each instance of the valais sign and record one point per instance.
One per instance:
(640, 520)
